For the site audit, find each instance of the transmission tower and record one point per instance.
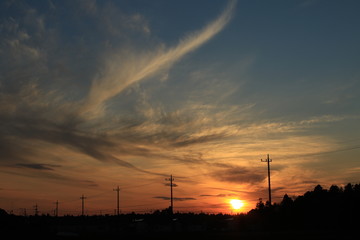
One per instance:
(268, 160)
(118, 206)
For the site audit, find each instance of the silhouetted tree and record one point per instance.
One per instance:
(348, 188)
(287, 202)
(3, 212)
(318, 189)
(357, 188)
(335, 189)
(268, 204)
(260, 205)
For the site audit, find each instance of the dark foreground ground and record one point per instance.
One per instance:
(209, 235)
(184, 226)
(228, 235)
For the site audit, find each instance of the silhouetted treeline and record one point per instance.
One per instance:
(332, 213)
(333, 209)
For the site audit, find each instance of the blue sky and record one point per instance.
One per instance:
(99, 94)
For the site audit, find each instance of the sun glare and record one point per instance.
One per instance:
(236, 204)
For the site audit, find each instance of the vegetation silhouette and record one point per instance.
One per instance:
(319, 214)
(333, 210)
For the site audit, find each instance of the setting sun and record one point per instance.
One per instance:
(236, 204)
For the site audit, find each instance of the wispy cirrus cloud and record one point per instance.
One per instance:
(118, 73)
(221, 195)
(38, 166)
(48, 116)
(31, 115)
(176, 198)
(239, 174)
(45, 171)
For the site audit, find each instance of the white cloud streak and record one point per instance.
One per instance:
(119, 73)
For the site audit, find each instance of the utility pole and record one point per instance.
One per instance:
(24, 211)
(82, 204)
(118, 208)
(56, 208)
(36, 210)
(171, 179)
(268, 160)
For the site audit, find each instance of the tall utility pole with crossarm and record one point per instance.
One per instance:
(56, 208)
(171, 179)
(117, 198)
(268, 160)
(82, 204)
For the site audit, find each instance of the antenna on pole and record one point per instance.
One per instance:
(171, 179)
(118, 206)
(268, 160)
(82, 204)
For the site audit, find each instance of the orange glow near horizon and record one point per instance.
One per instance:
(236, 204)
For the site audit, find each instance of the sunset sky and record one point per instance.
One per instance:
(100, 94)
